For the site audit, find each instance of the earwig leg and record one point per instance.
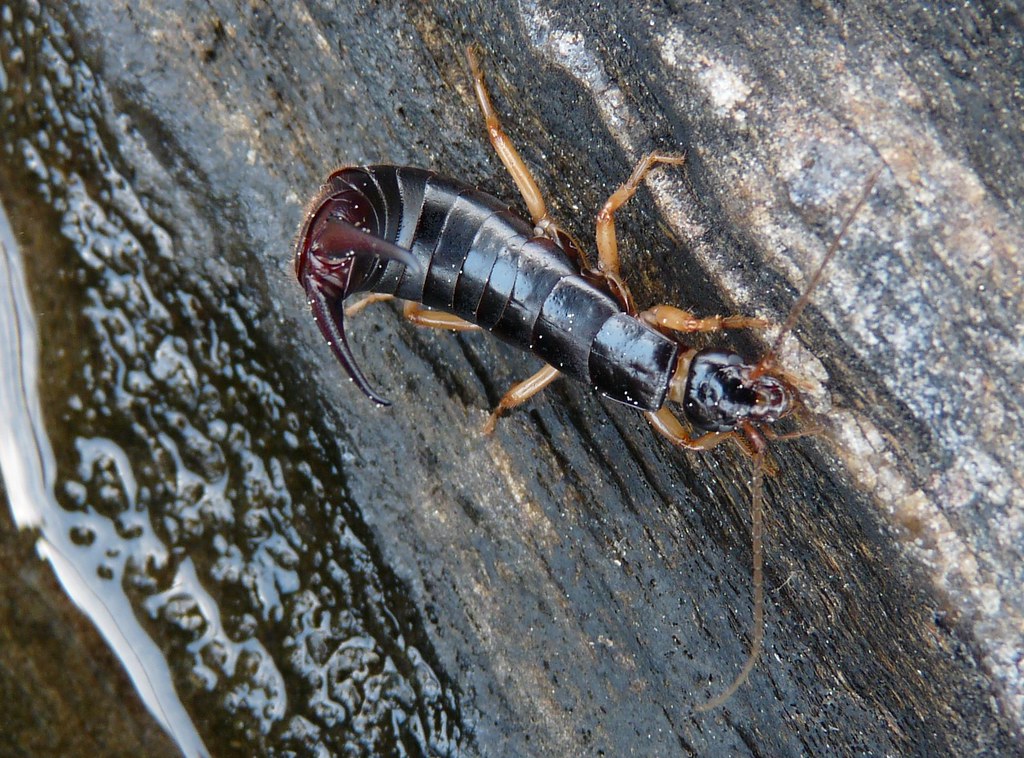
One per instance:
(415, 313)
(504, 148)
(421, 316)
(361, 303)
(520, 393)
(678, 320)
(607, 244)
(517, 169)
(668, 426)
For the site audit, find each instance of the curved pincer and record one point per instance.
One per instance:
(329, 314)
(334, 258)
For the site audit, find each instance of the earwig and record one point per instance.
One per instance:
(410, 234)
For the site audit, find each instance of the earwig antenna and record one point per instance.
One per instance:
(757, 478)
(798, 308)
(757, 626)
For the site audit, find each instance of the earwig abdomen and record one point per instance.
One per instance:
(480, 261)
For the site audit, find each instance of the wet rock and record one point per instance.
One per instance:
(63, 691)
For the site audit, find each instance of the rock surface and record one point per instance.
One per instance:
(391, 580)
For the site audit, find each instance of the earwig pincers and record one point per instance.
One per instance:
(408, 233)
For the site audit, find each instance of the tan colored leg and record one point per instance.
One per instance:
(607, 245)
(520, 393)
(668, 426)
(421, 316)
(415, 313)
(361, 303)
(678, 320)
(505, 149)
(519, 172)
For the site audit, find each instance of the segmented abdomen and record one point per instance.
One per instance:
(482, 262)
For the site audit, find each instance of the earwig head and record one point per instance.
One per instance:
(334, 257)
(720, 392)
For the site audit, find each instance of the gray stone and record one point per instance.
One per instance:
(571, 585)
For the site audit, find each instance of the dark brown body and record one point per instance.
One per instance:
(475, 258)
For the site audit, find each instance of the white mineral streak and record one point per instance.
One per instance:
(28, 468)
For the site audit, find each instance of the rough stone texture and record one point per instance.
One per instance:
(580, 583)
